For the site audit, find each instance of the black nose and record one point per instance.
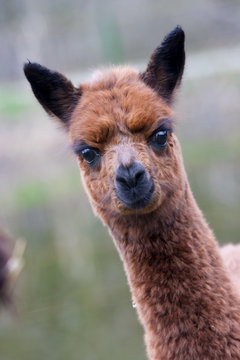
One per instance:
(130, 176)
(133, 187)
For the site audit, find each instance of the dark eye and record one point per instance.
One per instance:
(91, 156)
(159, 139)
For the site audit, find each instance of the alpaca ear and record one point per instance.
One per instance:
(54, 91)
(165, 68)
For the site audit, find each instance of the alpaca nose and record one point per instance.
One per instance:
(130, 176)
(133, 187)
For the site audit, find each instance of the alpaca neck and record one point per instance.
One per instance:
(177, 281)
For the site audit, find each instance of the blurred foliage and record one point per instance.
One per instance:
(66, 34)
(12, 102)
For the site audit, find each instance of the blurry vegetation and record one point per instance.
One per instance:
(67, 34)
(12, 102)
(72, 298)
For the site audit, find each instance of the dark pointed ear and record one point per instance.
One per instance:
(54, 91)
(165, 68)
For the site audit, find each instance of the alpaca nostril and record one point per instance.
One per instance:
(136, 178)
(121, 180)
(139, 175)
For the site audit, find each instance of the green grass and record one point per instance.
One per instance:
(13, 102)
(201, 152)
(37, 193)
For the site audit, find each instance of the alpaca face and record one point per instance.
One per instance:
(121, 128)
(122, 133)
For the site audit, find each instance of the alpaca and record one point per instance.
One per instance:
(120, 125)
(4, 257)
(10, 266)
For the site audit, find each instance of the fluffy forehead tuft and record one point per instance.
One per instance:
(108, 77)
(114, 101)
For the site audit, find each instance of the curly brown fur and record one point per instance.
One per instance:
(185, 299)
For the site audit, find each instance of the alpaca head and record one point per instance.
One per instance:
(120, 125)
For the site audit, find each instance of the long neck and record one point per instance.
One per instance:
(184, 298)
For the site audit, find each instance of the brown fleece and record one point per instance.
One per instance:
(184, 297)
(185, 300)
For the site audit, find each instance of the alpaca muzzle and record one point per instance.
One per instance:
(133, 187)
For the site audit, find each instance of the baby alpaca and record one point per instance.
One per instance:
(121, 127)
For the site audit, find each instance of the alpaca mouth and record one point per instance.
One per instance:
(136, 199)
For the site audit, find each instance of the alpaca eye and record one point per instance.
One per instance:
(159, 139)
(91, 156)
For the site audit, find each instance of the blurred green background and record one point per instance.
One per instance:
(72, 299)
